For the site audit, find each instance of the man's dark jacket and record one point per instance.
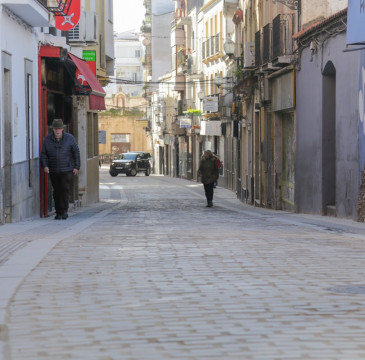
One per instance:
(60, 156)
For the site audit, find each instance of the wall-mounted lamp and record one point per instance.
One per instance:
(219, 81)
(229, 47)
(201, 95)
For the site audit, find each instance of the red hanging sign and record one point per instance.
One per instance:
(69, 21)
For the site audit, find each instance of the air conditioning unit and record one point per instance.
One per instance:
(77, 34)
(91, 26)
(249, 55)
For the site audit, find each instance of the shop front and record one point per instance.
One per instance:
(69, 90)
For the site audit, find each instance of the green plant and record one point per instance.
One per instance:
(239, 72)
(193, 112)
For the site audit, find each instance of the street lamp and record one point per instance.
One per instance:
(201, 96)
(218, 81)
(229, 47)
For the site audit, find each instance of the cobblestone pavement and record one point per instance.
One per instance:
(151, 273)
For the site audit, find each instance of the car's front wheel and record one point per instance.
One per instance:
(148, 171)
(133, 172)
(113, 173)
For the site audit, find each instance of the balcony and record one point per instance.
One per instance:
(193, 69)
(266, 43)
(211, 48)
(282, 43)
(32, 12)
(184, 21)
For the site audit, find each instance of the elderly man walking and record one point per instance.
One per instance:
(60, 158)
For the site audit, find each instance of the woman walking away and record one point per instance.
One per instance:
(209, 172)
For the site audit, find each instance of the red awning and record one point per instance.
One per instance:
(88, 80)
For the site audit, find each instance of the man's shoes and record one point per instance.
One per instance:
(58, 217)
(64, 216)
(210, 204)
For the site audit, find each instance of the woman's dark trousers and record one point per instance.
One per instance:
(209, 189)
(61, 183)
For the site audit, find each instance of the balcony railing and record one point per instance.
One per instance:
(258, 60)
(58, 7)
(282, 31)
(266, 45)
(211, 46)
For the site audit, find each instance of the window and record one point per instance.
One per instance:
(137, 53)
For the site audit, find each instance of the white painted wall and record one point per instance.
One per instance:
(21, 42)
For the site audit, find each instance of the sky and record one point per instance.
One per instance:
(128, 15)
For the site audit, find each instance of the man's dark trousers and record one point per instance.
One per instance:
(61, 183)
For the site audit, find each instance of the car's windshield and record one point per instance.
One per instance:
(128, 156)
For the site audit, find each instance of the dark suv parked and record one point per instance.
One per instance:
(131, 163)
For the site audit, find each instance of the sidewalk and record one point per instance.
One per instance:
(23, 245)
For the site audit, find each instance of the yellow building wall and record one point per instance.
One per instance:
(130, 125)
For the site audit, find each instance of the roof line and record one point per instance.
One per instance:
(319, 24)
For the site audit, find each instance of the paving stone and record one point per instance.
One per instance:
(157, 275)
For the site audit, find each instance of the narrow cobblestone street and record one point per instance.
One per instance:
(151, 273)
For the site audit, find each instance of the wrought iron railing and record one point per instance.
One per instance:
(282, 32)
(58, 7)
(211, 46)
(266, 44)
(258, 60)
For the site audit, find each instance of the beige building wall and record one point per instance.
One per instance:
(124, 132)
(313, 10)
(132, 126)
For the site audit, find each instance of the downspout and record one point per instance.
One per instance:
(43, 196)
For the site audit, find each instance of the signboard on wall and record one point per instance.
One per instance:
(185, 122)
(355, 22)
(119, 137)
(102, 137)
(90, 57)
(211, 127)
(211, 104)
